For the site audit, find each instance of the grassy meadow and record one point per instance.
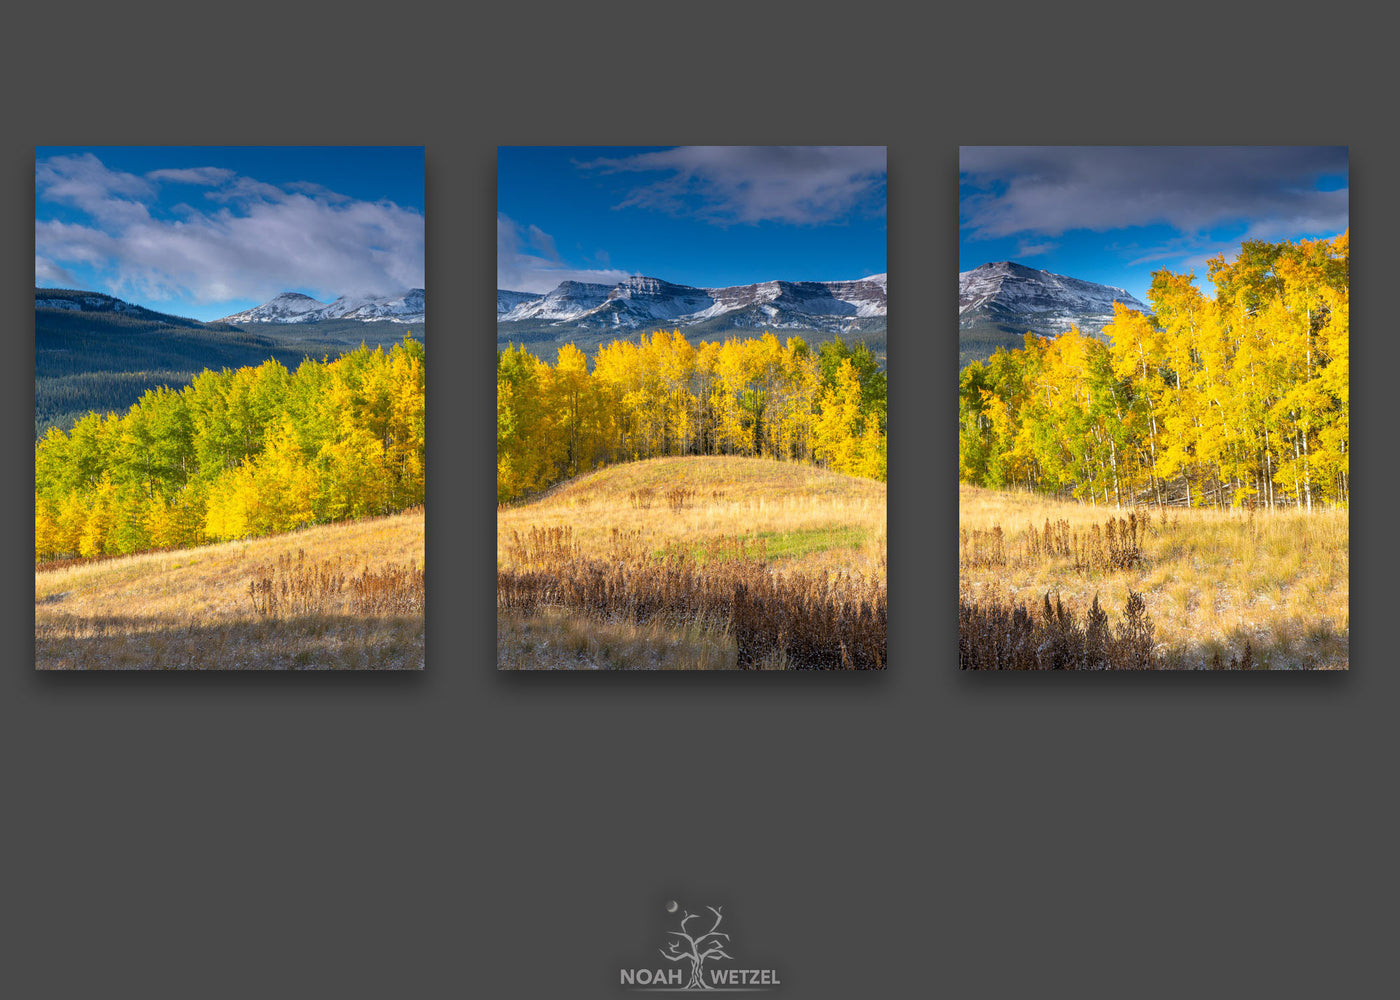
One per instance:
(346, 596)
(1219, 589)
(694, 563)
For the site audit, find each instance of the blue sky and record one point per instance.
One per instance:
(206, 231)
(708, 216)
(1115, 214)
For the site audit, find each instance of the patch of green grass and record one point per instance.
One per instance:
(805, 542)
(784, 544)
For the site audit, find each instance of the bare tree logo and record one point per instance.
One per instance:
(696, 948)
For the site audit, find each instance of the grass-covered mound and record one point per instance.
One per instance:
(694, 563)
(344, 596)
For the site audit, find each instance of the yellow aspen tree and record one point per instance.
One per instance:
(839, 426)
(232, 509)
(100, 516)
(872, 462)
(46, 533)
(1286, 339)
(160, 523)
(731, 377)
(507, 431)
(677, 376)
(531, 448)
(1334, 436)
(408, 427)
(353, 484)
(703, 396)
(801, 383)
(613, 376)
(287, 487)
(1214, 387)
(71, 518)
(572, 403)
(1178, 306)
(765, 362)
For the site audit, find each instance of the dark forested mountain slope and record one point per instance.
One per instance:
(96, 352)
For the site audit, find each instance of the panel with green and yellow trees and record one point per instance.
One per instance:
(1237, 399)
(664, 396)
(237, 453)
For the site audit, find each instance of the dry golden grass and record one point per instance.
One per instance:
(832, 522)
(1213, 580)
(191, 608)
(557, 640)
(806, 520)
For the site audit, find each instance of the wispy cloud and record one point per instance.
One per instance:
(1030, 248)
(799, 185)
(1047, 191)
(109, 196)
(252, 241)
(528, 261)
(206, 176)
(49, 274)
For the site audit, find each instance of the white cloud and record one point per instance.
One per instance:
(253, 241)
(800, 185)
(1049, 190)
(527, 261)
(50, 275)
(83, 182)
(1029, 248)
(205, 176)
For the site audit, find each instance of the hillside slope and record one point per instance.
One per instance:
(192, 608)
(800, 530)
(807, 517)
(95, 352)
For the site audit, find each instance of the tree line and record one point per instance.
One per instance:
(1237, 399)
(665, 396)
(237, 453)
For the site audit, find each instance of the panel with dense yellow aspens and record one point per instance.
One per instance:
(237, 453)
(664, 396)
(1237, 400)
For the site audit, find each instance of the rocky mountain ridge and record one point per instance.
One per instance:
(1009, 293)
(293, 307)
(642, 301)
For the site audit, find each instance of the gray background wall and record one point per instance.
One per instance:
(462, 833)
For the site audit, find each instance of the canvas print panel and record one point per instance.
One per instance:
(1153, 408)
(690, 379)
(229, 408)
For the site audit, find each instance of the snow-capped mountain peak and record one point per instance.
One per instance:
(643, 301)
(569, 300)
(1007, 292)
(405, 307)
(508, 300)
(293, 307)
(287, 307)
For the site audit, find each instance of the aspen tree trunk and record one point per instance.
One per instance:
(1113, 458)
(1152, 438)
(1307, 473)
(1297, 486)
(1268, 470)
